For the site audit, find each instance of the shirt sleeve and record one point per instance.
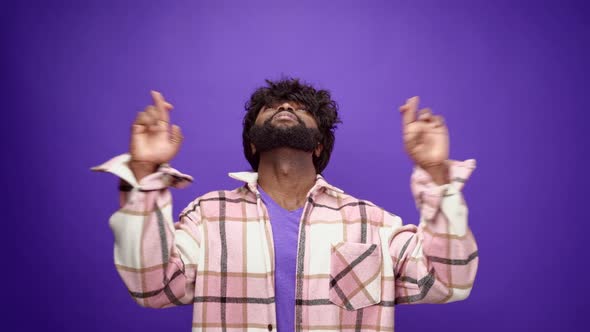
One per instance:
(155, 258)
(436, 261)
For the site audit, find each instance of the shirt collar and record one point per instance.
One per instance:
(251, 179)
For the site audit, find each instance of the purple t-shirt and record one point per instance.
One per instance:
(285, 232)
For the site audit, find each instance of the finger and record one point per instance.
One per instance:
(145, 119)
(152, 112)
(438, 120)
(159, 100)
(162, 106)
(176, 134)
(425, 114)
(150, 122)
(138, 129)
(408, 110)
(156, 124)
(141, 123)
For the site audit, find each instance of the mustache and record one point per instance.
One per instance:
(290, 111)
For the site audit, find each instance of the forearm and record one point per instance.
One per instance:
(145, 254)
(434, 264)
(155, 257)
(437, 261)
(450, 250)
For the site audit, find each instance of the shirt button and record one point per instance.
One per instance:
(270, 327)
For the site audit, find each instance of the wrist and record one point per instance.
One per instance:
(142, 169)
(439, 173)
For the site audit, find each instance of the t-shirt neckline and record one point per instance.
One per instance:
(267, 199)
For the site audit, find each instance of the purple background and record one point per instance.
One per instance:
(509, 77)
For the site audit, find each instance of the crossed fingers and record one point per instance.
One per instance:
(424, 116)
(154, 117)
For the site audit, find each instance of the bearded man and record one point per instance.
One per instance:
(287, 250)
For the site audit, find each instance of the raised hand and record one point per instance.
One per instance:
(153, 140)
(426, 139)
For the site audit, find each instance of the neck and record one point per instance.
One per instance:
(287, 175)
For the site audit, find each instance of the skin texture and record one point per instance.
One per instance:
(153, 140)
(426, 139)
(287, 174)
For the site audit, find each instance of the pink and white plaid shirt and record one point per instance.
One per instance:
(355, 261)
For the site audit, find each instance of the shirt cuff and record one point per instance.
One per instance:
(164, 177)
(428, 195)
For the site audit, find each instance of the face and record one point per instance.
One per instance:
(285, 124)
(285, 114)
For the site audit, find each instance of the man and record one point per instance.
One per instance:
(288, 251)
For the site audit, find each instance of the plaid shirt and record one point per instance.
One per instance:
(355, 261)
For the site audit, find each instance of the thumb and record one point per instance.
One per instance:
(137, 129)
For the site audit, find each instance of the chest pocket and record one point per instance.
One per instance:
(355, 275)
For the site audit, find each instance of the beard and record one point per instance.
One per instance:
(268, 137)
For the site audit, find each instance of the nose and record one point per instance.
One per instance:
(286, 107)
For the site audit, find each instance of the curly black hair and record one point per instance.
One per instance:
(318, 102)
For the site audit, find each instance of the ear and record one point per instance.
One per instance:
(253, 148)
(318, 150)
